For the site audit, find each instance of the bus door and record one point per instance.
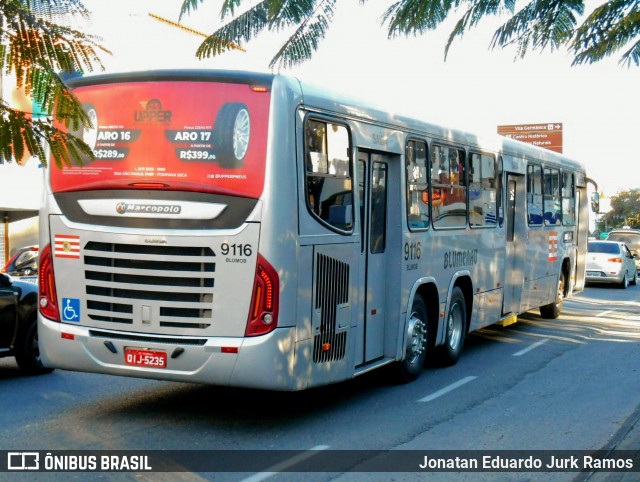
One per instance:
(373, 173)
(515, 229)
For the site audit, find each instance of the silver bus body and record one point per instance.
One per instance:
(157, 279)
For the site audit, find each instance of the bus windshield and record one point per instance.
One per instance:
(191, 136)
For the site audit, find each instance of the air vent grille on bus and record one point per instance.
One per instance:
(332, 290)
(177, 281)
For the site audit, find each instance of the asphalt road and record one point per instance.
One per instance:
(566, 384)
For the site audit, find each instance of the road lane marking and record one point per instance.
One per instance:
(605, 313)
(285, 464)
(447, 389)
(628, 321)
(531, 347)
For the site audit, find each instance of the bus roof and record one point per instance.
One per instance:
(231, 76)
(332, 101)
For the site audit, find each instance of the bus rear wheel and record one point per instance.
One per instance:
(416, 342)
(455, 329)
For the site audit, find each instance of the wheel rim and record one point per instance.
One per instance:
(241, 132)
(417, 338)
(561, 289)
(454, 326)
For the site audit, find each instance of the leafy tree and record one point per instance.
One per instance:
(36, 46)
(539, 24)
(625, 211)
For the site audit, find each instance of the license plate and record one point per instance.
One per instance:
(145, 358)
(593, 273)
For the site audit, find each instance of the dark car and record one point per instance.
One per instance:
(23, 263)
(18, 327)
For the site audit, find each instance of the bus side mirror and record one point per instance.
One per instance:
(595, 202)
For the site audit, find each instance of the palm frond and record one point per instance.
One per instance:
(608, 29)
(228, 7)
(242, 28)
(20, 133)
(414, 17)
(476, 12)
(34, 40)
(286, 13)
(34, 47)
(58, 10)
(189, 6)
(305, 40)
(632, 55)
(270, 15)
(540, 24)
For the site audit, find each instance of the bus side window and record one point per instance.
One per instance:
(534, 195)
(482, 191)
(448, 185)
(417, 188)
(328, 179)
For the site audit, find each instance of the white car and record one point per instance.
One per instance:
(610, 262)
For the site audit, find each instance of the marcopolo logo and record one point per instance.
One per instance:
(152, 112)
(132, 208)
(121, 208)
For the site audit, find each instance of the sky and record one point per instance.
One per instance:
(476, 89)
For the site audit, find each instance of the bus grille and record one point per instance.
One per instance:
(176, 281)
(332, 290)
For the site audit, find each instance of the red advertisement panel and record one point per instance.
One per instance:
(193, 136)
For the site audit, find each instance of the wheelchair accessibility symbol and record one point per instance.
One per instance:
(70, 309)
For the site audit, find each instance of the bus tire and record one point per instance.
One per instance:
(28, 352)
(455, 330)
(415, 353)
(231, 134)
(552, 311)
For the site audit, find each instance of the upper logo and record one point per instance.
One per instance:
(152, 112)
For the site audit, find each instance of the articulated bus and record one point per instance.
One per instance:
(251, 230)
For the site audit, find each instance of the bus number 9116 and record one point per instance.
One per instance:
(236, 249)
(412, 251)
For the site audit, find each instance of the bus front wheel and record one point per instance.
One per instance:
(416, 342)
(455, 328)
